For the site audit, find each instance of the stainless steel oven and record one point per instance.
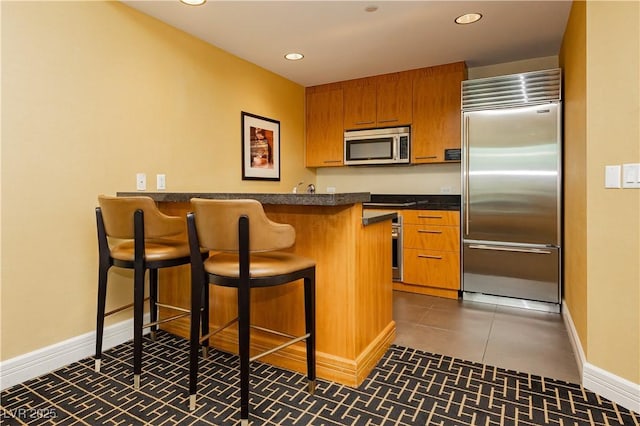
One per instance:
(396, 247)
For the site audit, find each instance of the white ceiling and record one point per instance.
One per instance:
(341, 41)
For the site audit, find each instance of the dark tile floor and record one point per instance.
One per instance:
(518, 339)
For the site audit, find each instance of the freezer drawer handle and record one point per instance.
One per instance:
(428, 231)
(427, 256)
(519, 250)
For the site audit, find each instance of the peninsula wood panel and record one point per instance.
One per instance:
(354, 324)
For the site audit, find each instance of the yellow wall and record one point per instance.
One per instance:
(573, 59)
(613, 215)
(92, 93)
(601, 56)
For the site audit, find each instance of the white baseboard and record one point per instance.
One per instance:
(621, 391)
(581, 359)
(33, 364)
(617, 389)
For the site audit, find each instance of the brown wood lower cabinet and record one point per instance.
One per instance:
(431, 252)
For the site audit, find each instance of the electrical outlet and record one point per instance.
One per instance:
(445, 190)
(141, 181)
(161, 182)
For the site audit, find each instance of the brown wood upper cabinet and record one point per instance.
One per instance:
(382, 101)
(428, 99)
(324, 127)
(436, 112)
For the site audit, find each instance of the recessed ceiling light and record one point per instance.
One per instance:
(294, 56)
(193, 2)
(468, 18)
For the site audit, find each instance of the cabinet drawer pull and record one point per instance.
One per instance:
(430, 157)
(364, 122)
(427, 256)
(428, 231)
(332, 161)
(429, 217)
(389, 120)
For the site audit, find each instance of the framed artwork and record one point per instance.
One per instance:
(260, 147)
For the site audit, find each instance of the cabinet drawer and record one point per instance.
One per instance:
(431, 237)
(432, 268)
(431, 217)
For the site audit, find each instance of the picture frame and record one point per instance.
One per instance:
(260, 147)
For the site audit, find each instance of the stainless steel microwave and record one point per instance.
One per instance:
(377, 146)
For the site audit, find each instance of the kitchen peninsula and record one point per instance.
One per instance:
(353, 283)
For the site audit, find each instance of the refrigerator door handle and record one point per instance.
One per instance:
(466, 175)
(513, 249)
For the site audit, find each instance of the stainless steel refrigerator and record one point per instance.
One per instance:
(511, 187)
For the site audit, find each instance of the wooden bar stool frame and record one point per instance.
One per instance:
(243, 283)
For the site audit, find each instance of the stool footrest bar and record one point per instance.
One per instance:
(277, 348)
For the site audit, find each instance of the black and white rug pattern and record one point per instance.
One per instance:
(407, 387)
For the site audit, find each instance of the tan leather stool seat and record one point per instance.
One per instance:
(262, 264)
(155, 250)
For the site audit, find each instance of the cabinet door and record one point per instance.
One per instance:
(432, 268)
(394, 102)
(359, 106)
(432, 217)
(436, 113)
(444, 238)
(324, 129)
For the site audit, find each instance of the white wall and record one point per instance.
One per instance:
(526, 65)
(420, 179)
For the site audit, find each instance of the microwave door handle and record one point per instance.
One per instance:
(396, 144)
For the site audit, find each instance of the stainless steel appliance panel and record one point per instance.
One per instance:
(512, 174)
(377, 146)
(512, 271)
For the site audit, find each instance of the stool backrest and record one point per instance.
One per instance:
(217, 226)
(117, 213)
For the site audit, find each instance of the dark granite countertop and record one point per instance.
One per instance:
(414, 202)
(303, 199)
(370, 217)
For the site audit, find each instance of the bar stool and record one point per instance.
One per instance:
(247, 243)
(134, 234)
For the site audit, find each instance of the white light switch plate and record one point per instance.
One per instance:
(161, 182)
(631, 175)
(141, 181)
(612, 177)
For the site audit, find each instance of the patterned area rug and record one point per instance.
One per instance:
(408, 387)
